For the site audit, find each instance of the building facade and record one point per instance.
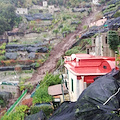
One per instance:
(100, 46)
(45, 4)
(98, 22)
(21, 11)
(81, 69)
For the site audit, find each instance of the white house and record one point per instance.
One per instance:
(81, 69)
(51, 9)
(45, 4)
(21, 11)
(95, 2)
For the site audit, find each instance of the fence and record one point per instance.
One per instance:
(16, 102)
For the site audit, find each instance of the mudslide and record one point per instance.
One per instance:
(59, 50)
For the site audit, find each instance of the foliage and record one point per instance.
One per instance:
(8, 17)
(46, 109)
(113, 39)
(74, 50)
(41, 95)
(117, 14)
(2, 102)
(21, 108)
(19, 113)
(85, 27)
(56, 32)
(2, 47)
(51, 79)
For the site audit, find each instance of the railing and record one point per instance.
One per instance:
(16, 103)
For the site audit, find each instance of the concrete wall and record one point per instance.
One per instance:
(10, 88)
(21, 11)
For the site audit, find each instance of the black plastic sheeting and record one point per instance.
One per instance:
(29, 48)
(11, 55)
(38, 116)
(4, 41)
(31, 55)
(109, 24)
(112, 23)
(11, 68)
(41, 16)
(94, 103)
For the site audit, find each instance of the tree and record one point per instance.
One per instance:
(113, 40)
(8, 17)
(56, 32)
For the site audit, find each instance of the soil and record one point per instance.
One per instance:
(59, 50)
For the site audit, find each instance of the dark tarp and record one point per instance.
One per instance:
(38, 116)
(29, 48)
(11, 55)
(7, 68)
(31, 55)
(99, 101)
(41, 16)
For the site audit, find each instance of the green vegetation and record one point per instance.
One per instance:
(113, 40)
(46, 109)
(41, 95)
(8, 18)
(74, 50)
(117, 14)
(19, 113)
(85, 27)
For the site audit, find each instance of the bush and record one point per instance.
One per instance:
(2, 57)
(74, 50)
(48, 110)
(113, 39)
(41, 95)
(85, 27)
(117, 14)
(2, 47)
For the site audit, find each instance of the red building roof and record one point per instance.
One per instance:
(84, 64)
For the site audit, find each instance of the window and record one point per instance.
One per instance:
(87, 51)
(67, 71)
(105, 67)
(72, 85)
(106, 39)
(94, 41)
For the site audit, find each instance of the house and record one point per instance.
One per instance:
(21, 11)
(56, 92)
(51, 9)
(100, 46)
(81, 69)
(45, 4)
(95, 2)
(98, 22)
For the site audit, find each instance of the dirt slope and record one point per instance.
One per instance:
(59, 50)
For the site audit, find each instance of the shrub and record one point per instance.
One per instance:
(2, 57)
(2, 47)
(48, 110)
(85, 27)
(113, 39)
(117, 14)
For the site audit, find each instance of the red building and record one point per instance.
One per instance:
(81, 69)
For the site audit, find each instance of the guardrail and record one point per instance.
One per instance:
(16, 103)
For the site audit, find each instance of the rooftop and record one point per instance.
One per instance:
(84, 64)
